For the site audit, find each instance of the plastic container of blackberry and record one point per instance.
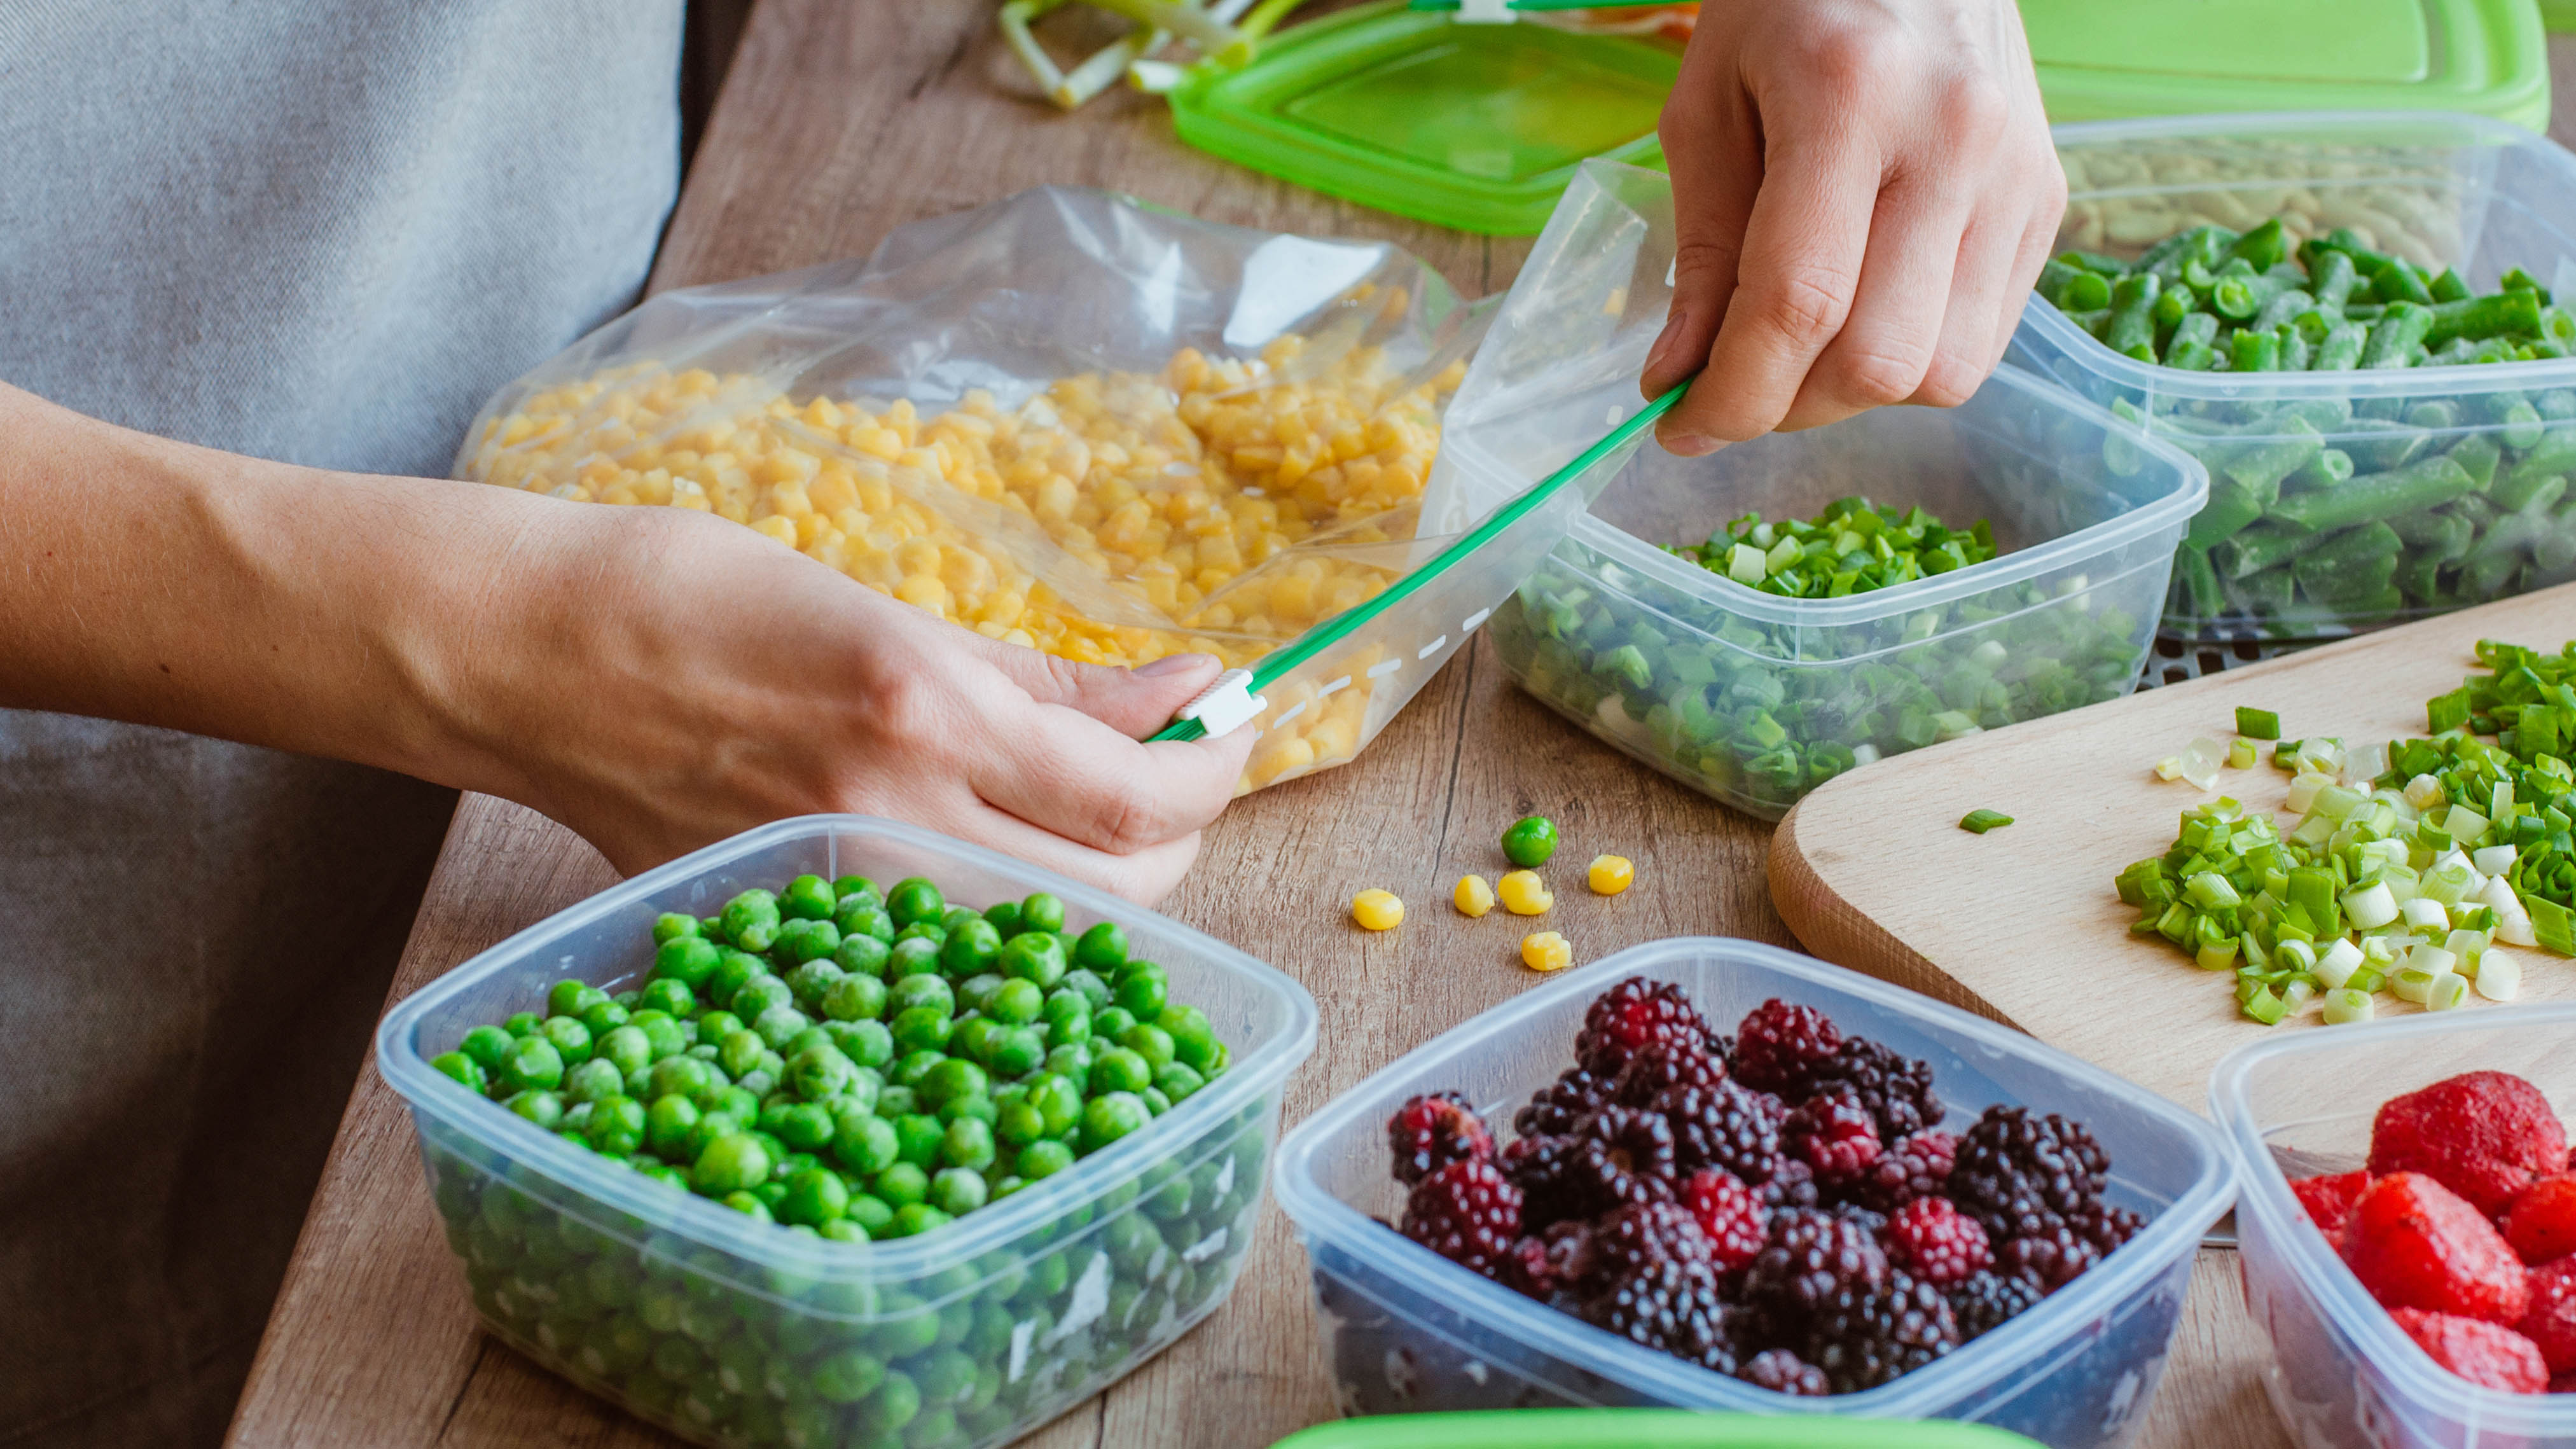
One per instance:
(2342, 1373)
(1408, 1331)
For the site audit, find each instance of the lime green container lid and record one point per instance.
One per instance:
(1644, 1429)
(2110, 59)
(2558, 14)
(1477, 127)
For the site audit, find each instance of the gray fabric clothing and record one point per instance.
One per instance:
(317, 232)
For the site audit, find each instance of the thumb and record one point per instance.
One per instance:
(1135, 702)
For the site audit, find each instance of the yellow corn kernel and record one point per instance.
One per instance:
(1473, 896)
(1610, 874)
(779, 527)
(1546, 951)
(1377, 910)
(1523, 893)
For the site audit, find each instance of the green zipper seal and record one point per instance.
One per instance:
(1274, 667)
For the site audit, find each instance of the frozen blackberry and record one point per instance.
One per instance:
(1620, 1155)
(1865, 1337)
(1662, 1066)
(1623, 1020)
(1918, 1166)
(1779, 1045)
(1730, 1216)
(1432, 1131)
(1988, 1301)
(1625, 1242)
(1537, 1166)
(1810, 1257)
(1783, 1372)
(2020, 1174)
(1933, 1240)
(1467, 1212)
(1546, 1266)
(1725, 1126)
(1556, 1107)
(1672, 1305)
(2048, 1259)
(1897, 1089)
(2106, 1227)
(1793, 1186)
(1834, 1135)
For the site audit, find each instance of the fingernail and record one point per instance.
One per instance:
(1175, 664)
(1689, 445)
(1665, 341)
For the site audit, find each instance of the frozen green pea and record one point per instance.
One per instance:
(864, 1143)
(917, 1139)
(898, 1186)
(1103, 948)
(957, 1191)
(968, 1143)
(617, 1124)
(808, 897)
(537, 1105)
(1016, 1002)
(593, 1080)
(571, 1039)
(532, 1065)
(814, 1197)
(855, 998)
(464, 1070)
(668, 1123)
(1107, 1118)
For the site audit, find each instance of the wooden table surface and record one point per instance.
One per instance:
(841, 120)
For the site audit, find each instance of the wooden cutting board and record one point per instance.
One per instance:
(2022, 923)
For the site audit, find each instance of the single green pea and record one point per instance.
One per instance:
(1177, 1081)
(1103, 948)
(672, 998)
(845, 1377)
(1067, 1016)
(958, 1191)
(853, 885)
(734, 1162)
(751, 920)
(808, 1126)
(714, 1125)
(895, 1101)
(952, 1079)
(922, 989)
(918, 1138)
(866, 1042)
(900, 1185)
(671, 926)
(863, 1143)
(1143, 990)
(923, 1028)
(1154, 1100)
(604, 1017)
(814, 1197)
(740, 1052)
(1042, 912)
(736, 1101)
(841, 1230)
(537, 1105)
(593, 1080)
(972, 946)
(733, 970)
(957, 1108)
(1034, 957)
(1019, 1124)
(977, 990)
(1016, 1002)
(810, 982)
(914, 1219)
(1087, 981)
(533, 1065)
(625, 1047)
(973, 1038)
(780, 1025)
(915, 899)
(627, 998)
(956, 916)
(689, 960)
(571, 1039)
(968, 1144)
(1150, 1042)
(667, 1124)
(523, 1023)
(1107, 1118)
(1529, 841)
(820, 1072)
(759, 994)
(464, 1070)
(749, 1205)
(862, 955)
(715, 1026)
(488, 1046)
(855, 998)
(1059, 1101)
(571, 998)
(1043, 1159)
(1072, 1060)
(915, 1065)
(870, 1212)
(617, 1124)
(1016, 1052)
(805, 1041)
(663, 1034)
(915, 957)
(1120, 1069)
(1003, 917)
(808, 897)
(930, 931)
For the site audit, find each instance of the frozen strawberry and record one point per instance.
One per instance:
(2550, 1321)
(2484, 1135)
(2541, 1224)
(2329, 1199)
(2415, 1244)
(2482, 1353)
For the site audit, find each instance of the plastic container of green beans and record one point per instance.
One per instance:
(731, 1331)
(2341, 500)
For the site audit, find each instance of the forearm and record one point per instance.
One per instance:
(319, 612)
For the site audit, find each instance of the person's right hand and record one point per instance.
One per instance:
(659, 679)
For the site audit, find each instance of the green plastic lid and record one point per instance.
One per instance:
(1644, 1429)
(2104, 61)
(1477, 127)
(2558, 14)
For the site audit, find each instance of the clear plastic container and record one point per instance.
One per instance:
(2342, 1375)
(729, 1331)
(1409, 1331)
(2440, 189)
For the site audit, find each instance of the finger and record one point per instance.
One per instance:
(1144, 876)
(1135, 702)
(1712, 143)
(1803, 248)
(1906, 286)
(1068, 773)
(2038, 243)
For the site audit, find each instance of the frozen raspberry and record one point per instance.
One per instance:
(1673, 1306)
(1811, 1256)
(1726, 1126)
(1896, 1089)
(1623, 1020)
(2483, 1353)
(2329, 1199)
(1937, 1243)
(1433, 1131)
(1556, 1107)
(2550, 1321)
(1778, 1045)
(1467, 1212)
(1626, 1241)
(1783, 1372)
(1730, 1217)
(1988, 1301)
(2416, 1244)
(2484, 1135)
(1865, 1337)
(1662, 1066)
(1834, 1135)
(2541, 1224)
(1918, 1166)
(2020, 1174)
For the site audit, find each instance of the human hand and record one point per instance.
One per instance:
(658, 679)
(1864, 192)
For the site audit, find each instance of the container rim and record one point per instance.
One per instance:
(2059, 330)
(2265, 1191)
(702, 1222)
(2170, 509)
(2169, 1234)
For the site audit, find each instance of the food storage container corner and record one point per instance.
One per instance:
(727, 1330)
(1408, 1331)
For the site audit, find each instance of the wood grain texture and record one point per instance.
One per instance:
(2022, 924)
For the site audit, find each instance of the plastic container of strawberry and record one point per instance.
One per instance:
(2342, 1374)
(1408, 1331)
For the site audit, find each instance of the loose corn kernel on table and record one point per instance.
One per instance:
(841, 120)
